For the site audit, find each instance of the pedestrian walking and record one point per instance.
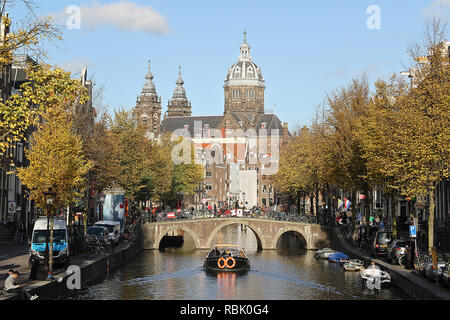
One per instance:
(12, 287)
(381, 224)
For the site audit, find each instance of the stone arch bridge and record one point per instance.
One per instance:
(267, 231)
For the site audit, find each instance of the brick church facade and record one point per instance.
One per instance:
(239, 150)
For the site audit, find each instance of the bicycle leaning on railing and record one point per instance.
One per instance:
(95, 246)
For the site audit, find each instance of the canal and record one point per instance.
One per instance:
(288, 273)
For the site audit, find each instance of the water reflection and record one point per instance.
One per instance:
(290, 273)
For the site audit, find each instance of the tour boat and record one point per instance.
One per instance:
(226, 258)
(324, 253)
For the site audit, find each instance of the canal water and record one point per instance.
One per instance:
(288, 273)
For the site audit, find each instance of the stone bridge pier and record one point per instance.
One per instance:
(267, 232)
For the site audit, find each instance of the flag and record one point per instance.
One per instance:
(340, 203)
(347, 204)
(171, 215)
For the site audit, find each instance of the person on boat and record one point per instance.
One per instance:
(216, 253)
(373, 270)
(226, 253)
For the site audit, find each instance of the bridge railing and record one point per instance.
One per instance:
(167, 216)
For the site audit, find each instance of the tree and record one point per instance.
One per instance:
(56, 161)
(347, 107)
(47, 87)
(129, 147)
(16, 115)
(409, 146)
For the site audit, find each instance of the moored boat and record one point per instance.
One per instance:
(226, 258)
(374, 277)
(353, 265)
(338, 257)
(324, 253)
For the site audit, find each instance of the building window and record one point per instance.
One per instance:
(208, 187)
(208, 174)
(206, 130)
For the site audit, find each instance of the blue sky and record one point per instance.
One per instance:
(305, 48)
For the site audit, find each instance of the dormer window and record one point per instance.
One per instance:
(250, 72)
(237, 72)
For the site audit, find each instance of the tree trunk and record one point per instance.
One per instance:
(367, 202)
(304, 203)
(353, 201)
(50, 262)
(431, 221)
(317, 199)
(47, 238)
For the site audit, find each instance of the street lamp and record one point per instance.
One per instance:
(49, 201)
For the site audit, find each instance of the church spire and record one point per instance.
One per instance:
(179, 81)
(179, 106)
(149, 86)
(179, 92)
(245, 48)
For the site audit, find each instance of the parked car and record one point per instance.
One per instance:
(446, 274)
(101, 233)
(381, 241)
(397, 251)
(433, 274)
(113, 230)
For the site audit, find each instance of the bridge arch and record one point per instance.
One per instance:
(300, 231)
(258, 235)
(175, 228)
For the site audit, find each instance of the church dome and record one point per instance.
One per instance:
(244, 71)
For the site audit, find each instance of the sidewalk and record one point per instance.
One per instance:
(15, 256)
(410, 282)
(93, 267)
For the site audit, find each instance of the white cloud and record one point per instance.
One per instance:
(124, 15)
(438, 8)
(75, 65)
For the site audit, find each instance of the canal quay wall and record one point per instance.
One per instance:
(412, 284)
(93, 268)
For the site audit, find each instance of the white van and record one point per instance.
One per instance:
(60, 241)
(113, 230)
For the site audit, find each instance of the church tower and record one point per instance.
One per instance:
(148, 107)
(179, 106)
(244, 86)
